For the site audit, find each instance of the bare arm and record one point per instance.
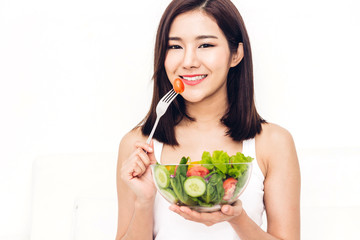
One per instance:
(282, 185)
(135, 188)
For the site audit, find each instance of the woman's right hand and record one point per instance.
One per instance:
(136, 173)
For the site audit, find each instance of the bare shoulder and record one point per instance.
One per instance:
(275, 145)
(132, 136)
(274, 134)
(127, 143)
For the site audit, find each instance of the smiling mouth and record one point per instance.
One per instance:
(193, 77)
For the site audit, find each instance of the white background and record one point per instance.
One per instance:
(76, 75)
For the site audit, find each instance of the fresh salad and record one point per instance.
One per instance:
(215, 179)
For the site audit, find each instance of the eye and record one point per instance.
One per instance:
(206, 45)
(174, 47)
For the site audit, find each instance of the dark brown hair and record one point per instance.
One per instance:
(242, 120)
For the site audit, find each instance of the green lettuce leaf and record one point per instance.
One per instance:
(236, 170)
(206, 159)
(214, 189)
(219, 158)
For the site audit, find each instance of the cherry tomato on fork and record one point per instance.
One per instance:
(178, 85)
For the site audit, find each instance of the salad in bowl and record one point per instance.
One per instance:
(204, 185)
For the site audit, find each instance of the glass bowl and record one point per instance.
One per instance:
(201, 187)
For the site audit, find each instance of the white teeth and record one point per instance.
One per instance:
(194, 78)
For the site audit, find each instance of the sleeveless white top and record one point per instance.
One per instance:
(170, 225)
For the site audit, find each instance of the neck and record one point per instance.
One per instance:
(207, 114)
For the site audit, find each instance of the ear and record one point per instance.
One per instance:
(238, 56)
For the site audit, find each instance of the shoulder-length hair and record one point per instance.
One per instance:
(241, 119)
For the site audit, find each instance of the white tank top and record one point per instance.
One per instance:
(171, 226)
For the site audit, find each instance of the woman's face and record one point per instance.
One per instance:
(199, 54)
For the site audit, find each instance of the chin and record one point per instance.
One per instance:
(193, 98)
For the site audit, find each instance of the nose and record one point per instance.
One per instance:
(190, 59)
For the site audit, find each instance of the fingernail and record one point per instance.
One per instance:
(182, 209)
(226, 208)
(150, 149)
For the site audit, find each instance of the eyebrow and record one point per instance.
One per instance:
(197, 38)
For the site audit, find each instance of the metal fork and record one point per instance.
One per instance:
(161, 108)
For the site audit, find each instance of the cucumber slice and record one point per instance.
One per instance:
(162, 176)
(169, 195)
(195, 186)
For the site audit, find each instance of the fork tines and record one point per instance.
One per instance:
(169, 96)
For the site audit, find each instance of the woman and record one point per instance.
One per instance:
(204, 42)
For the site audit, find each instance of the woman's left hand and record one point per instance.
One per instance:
(226, 213)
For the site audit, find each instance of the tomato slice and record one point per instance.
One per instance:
(197, 171)
(229, 187)
(178, 85)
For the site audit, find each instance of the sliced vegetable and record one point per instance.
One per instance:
(193, 164)
(195, 186)
(170, 195)
(178, 85)
(162, 176)
(197, 171)
(229, 187)
(177, 184)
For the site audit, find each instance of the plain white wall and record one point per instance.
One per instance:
(75, 76)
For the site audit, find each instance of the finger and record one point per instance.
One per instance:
(130, 167)
(208, 219)
(227, 210)
(232, 210)
(194, 215)
(140, 164)
(152, 154)
(190, 212)
(143, 156)
(146, 147)
(174, 208)
(185, 213)
(137, 168)
(134, 171)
